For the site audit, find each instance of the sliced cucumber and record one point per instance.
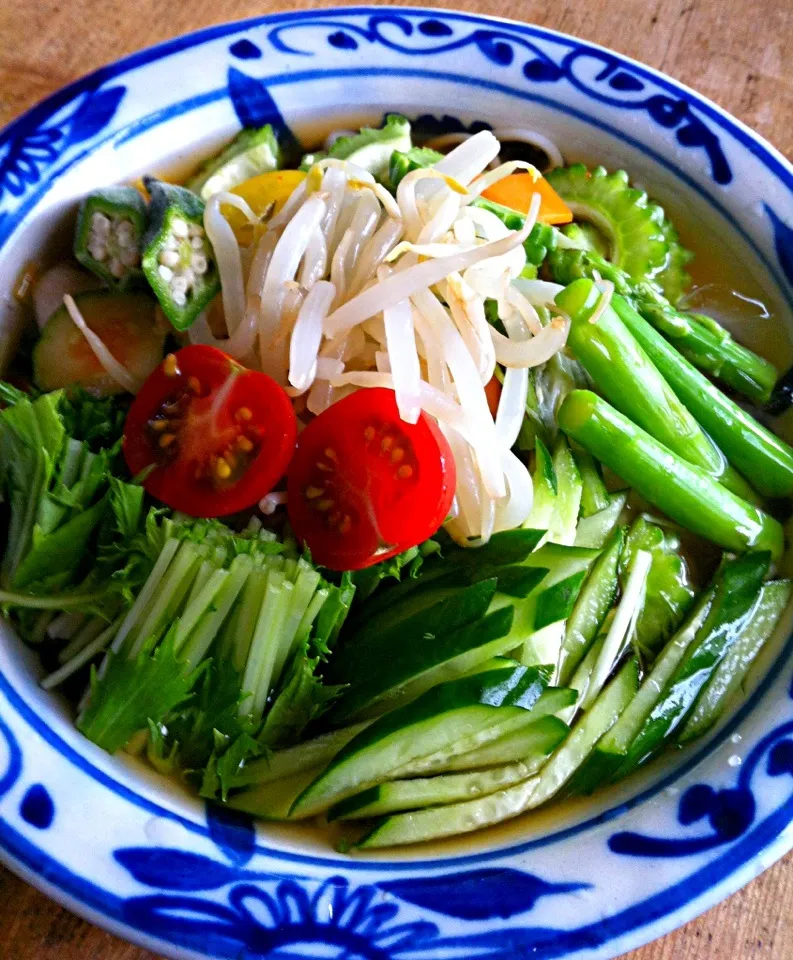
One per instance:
(451, 821)
(250, 153)
(569, 492)
(401, 673)
(473, 751)
(611, 751)
(594, 602)
(429, 792)
(730, 673)
(532, 744)
(580, 680)
(440, 719)
(594, 495)
(125, 322)
(414, 627)
(601, 716)
(551, 602)
(293, 760)
(594, 531)
(737, 593)
(273, 800)
(545, 489)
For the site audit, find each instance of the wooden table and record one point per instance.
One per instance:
(736, 53)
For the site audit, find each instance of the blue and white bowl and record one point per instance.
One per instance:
(129, 850)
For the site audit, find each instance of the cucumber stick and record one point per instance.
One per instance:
(545, 489)
(293, 760)
(418, 794)
(533, 731)
(600, 718)
(594, 601)
(594, 531)
(617, 636)
(273, 800)
(407, 665)
(594, 495)
(731, 672)
(568, 494)
(610, 752)
(531, 744)
(738, 589)
(458, 818)
(551, 602)
(452, 820)
(438, 720)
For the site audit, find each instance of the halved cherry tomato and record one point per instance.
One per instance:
(219, 436)
(515, 191)
(364, 485)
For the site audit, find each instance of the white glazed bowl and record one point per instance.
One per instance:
(129, 850)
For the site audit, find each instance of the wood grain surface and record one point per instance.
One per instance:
(735, 52)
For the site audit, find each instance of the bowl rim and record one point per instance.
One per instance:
(768, 155)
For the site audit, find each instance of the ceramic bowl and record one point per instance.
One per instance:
(129, 850)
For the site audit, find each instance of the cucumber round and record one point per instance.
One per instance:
(126, 323)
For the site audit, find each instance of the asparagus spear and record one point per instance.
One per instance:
(684, 492)
(752, 449)
(700, 339)
(626, 376)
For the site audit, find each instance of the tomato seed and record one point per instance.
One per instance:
(222, 469)
(158, 425)
(166, 440)
(169, 366)
(194, 384)
(397, 454)
(244, 444)
(313, 492)
(386, 444)
(324, 505)
(244, 413)
(330, 453)
(404, 472)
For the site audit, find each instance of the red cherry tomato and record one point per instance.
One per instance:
(219, 436)
(364, 485)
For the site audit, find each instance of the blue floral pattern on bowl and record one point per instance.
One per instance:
(178, 877)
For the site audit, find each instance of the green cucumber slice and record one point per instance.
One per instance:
(594, 531)
(470, 751)
(611, 751)
(440, 719)
(594, 602)
(601, 716)
(125, 322)
(401, 673)
(273, 800)
(731, 672)
(250, 153)
(530, 744)
(417, 622)
(594, 496)
(280, 764)
(493, 639)
(738, 590)
(545, 489)
(570, 489)
(417, 794)
(451, 821)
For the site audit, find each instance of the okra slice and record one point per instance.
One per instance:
(110, 227)
(177, 256)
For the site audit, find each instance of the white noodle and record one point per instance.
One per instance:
(416, 278)
(307, 335)
(403, 358)
(227, 255)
